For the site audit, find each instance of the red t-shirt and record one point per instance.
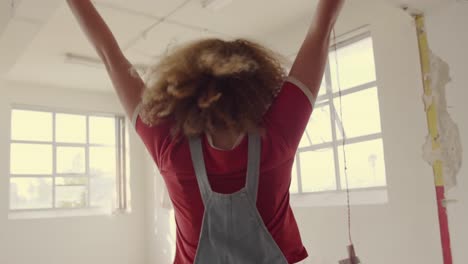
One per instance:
(285, 122)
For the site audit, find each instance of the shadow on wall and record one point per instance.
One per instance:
(164, 232)
(163, 224)
(164, 235)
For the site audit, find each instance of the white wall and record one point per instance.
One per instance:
(448, 38)
(119, 239)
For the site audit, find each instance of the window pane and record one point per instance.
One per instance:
(361, 113)
(70, 128)
(31, 159)
(102, 161)
(318, 170)
(30, 193)
(294, 187)
(366, 164)
(71, 160)
(31, 125)
(319, 128)
(102, 191)
(356, 65)
(102, 130)
(70, 196)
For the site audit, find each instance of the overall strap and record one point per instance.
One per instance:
(200, 170)
(253, 165)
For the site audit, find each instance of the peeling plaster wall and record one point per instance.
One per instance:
(451, 149)
(448, 38)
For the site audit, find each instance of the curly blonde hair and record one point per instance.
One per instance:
(213, 85)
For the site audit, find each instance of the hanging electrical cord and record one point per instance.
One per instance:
(353, 259)
(344, 138)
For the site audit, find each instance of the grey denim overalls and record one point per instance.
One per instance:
(233, 231)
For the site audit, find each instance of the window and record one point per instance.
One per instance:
(319, 163)
(66, 161)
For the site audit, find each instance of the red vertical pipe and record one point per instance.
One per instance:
(444, 225)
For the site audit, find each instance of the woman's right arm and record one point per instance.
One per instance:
(127, 85)
(310, 62)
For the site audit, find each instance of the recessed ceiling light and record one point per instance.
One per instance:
(215, 5)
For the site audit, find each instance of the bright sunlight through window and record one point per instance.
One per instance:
(319, 165)
(66, 161)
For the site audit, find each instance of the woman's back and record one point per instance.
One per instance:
(227, 169)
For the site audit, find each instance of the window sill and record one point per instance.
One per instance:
(371, 196)
(64, 213)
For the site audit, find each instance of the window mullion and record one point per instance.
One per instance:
(88, 173)
(118, 179)
(122, 161)
(356, 89)
(298, 170)
(54, 158)
(315, 147)
(366, 138)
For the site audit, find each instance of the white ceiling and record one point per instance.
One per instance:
(43, 59)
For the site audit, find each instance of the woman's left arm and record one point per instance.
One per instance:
(128, 86)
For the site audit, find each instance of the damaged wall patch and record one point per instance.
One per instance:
(450, 151)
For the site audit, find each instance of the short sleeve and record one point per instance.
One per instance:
(156, 138)
(290, 112)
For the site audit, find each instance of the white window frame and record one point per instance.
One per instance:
(120, 203)
(378, 194)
